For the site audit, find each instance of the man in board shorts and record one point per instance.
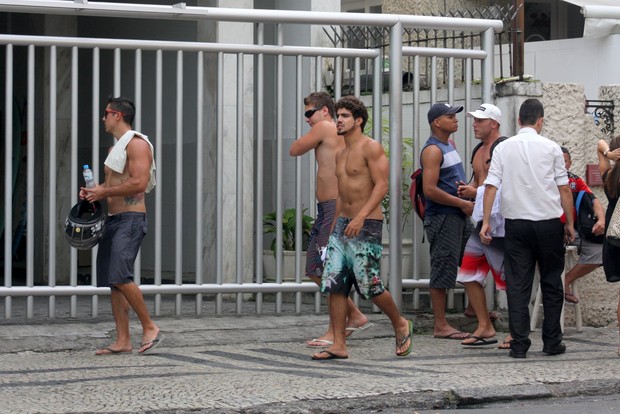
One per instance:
(129, 174)
(354, 248)
(324, 140)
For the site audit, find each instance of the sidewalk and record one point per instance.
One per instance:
(255, 364)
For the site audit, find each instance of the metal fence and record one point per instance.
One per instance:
(226, 186)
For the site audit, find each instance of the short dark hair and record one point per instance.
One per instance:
(565, 151)
(321, 100)
(531, 111)
(357, 108)
(124, 106)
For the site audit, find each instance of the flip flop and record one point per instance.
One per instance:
(480, 341)
(454, 335)
(150, 345)
(318, 343)
(110, 351)
(330, 355)
(403, 341)
(353, 329)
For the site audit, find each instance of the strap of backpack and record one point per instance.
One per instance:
(578, 201)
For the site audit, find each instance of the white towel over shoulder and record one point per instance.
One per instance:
(118, 156)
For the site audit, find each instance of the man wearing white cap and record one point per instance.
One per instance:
(478, 258)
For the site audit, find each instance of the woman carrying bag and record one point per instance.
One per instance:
(611, 179)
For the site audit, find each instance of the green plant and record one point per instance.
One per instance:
(288, 228)
(406, 170)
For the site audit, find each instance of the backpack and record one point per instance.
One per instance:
(416, 192)
(584, 207)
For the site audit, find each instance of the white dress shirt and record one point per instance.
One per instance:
(529, 168)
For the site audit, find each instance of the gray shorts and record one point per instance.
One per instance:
(447, 235)
(119, 248)
(591, 253)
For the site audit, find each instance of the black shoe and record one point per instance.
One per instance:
(514, 354)
(556, 350)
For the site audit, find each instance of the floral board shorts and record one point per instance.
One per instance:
(354, 261)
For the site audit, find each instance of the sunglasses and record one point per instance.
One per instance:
(308, 114)
(112, 111)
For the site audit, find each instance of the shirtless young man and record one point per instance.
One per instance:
(354, 249)
(126, 181)
(324, 140)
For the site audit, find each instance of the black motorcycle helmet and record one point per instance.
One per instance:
(84, 225)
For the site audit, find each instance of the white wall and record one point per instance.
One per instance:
(591, 62)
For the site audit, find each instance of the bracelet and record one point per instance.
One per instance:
(605, 152)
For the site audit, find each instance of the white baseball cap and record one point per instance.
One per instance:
(487, 111)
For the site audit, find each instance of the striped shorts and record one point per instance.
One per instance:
(447, 235)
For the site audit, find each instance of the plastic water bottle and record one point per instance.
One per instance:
(88, 176)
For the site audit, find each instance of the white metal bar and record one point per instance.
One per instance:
(160, 171)
(441, 52)
(154, 45)
(433, 79)
(240, 190)
(167, 289)
(95, 122)
(220, 14)
(30, 186)
(396, 190)
(377, 110)
(318, 74)
(117, 72)
(199, 173)
(488, 40)
(8, 175)
(74, 168)
(417, 146)
(337, 78)
(137, 125)
(298, 205)
(279, 164)
(178, 230)
(451, 80)
(51, 269)
(356, 77)
(219, 231)
(259, 168)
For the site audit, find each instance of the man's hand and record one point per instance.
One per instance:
(485, 234)
(465, 191)
(599, 227)
(468, 208)
(93, 194)
(354, 227)
(569, 233)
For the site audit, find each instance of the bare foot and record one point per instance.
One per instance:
(505, 343)
(450, 333)
(353, 325)
(330, 354)
(113, 349)
(150, 339)
(479, 333)
(404, 338)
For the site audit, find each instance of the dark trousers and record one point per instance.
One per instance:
(528, 243)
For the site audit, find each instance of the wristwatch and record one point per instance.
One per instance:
(605, 152)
